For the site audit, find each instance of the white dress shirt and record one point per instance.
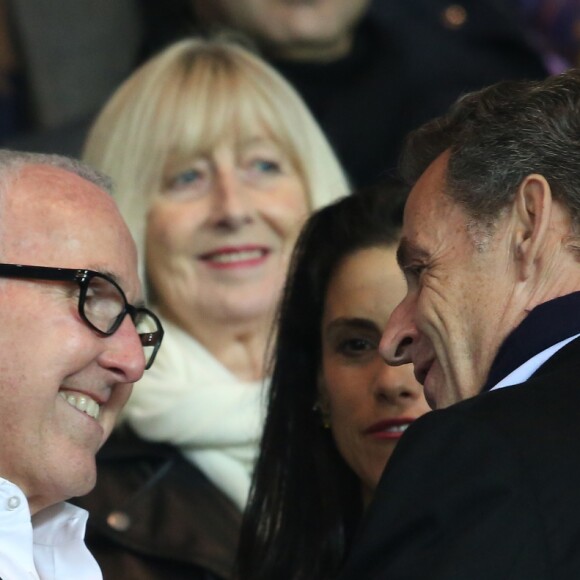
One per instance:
(48, 546)
(526, 370)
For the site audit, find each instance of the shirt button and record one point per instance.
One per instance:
(119, 521)
(13, 502)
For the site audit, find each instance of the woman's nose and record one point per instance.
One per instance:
(231, 203)
(396, 385)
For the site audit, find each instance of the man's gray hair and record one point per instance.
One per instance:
(498, 136)
(12, 162)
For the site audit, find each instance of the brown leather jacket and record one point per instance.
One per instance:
(154, 515)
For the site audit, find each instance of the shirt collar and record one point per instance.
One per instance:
(546, 325)
(59, 524)
(49, 545)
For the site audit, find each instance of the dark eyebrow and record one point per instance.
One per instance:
(408, 251)
(360, 323)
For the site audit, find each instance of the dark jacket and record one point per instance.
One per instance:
(154, 515)
(408, 64)
(486, 489)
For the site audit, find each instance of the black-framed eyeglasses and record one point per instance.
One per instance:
(102, 302)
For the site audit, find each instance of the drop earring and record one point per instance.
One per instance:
(324, 415)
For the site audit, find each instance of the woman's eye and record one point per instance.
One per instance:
(356, 346)
(189, 177)
(265, 166)
(193, 179)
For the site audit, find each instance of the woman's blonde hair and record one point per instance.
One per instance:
(183, 102)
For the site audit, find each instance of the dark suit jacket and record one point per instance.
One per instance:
(487, 489)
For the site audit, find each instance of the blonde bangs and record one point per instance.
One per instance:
(189, 99)
(224, 95)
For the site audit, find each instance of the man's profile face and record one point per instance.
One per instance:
(291, 27)
(48, 355)
(451, 322)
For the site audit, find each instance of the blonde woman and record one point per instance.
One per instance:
(217, 163)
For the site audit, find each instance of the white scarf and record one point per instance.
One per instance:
(191, 400)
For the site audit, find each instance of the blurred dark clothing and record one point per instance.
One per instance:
(409, 62)
(554, 26)
(408, 65)
(72, 54)
(13, 112)
(155, 516)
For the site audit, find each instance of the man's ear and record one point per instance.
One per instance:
(532, 212)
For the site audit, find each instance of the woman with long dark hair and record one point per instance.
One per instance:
(335, 409)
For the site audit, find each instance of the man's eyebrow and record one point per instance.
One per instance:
(408, 252)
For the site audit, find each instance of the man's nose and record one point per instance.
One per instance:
(399, 336)
(123, 353)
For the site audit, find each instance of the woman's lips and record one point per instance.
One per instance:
(389, 428)
(233, 257)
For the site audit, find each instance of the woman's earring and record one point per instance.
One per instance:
(324, 415)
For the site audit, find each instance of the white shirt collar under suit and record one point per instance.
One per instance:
(526, 370)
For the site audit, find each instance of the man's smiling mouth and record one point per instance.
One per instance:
(82, 402)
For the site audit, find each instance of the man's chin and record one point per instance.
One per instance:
(82, 481)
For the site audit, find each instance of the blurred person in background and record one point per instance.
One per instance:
(61, 62)
(217, 163)
(369, 71)
(336, 409)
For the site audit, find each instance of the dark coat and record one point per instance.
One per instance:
(409, 63)
(154, 515)
(487, 489)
